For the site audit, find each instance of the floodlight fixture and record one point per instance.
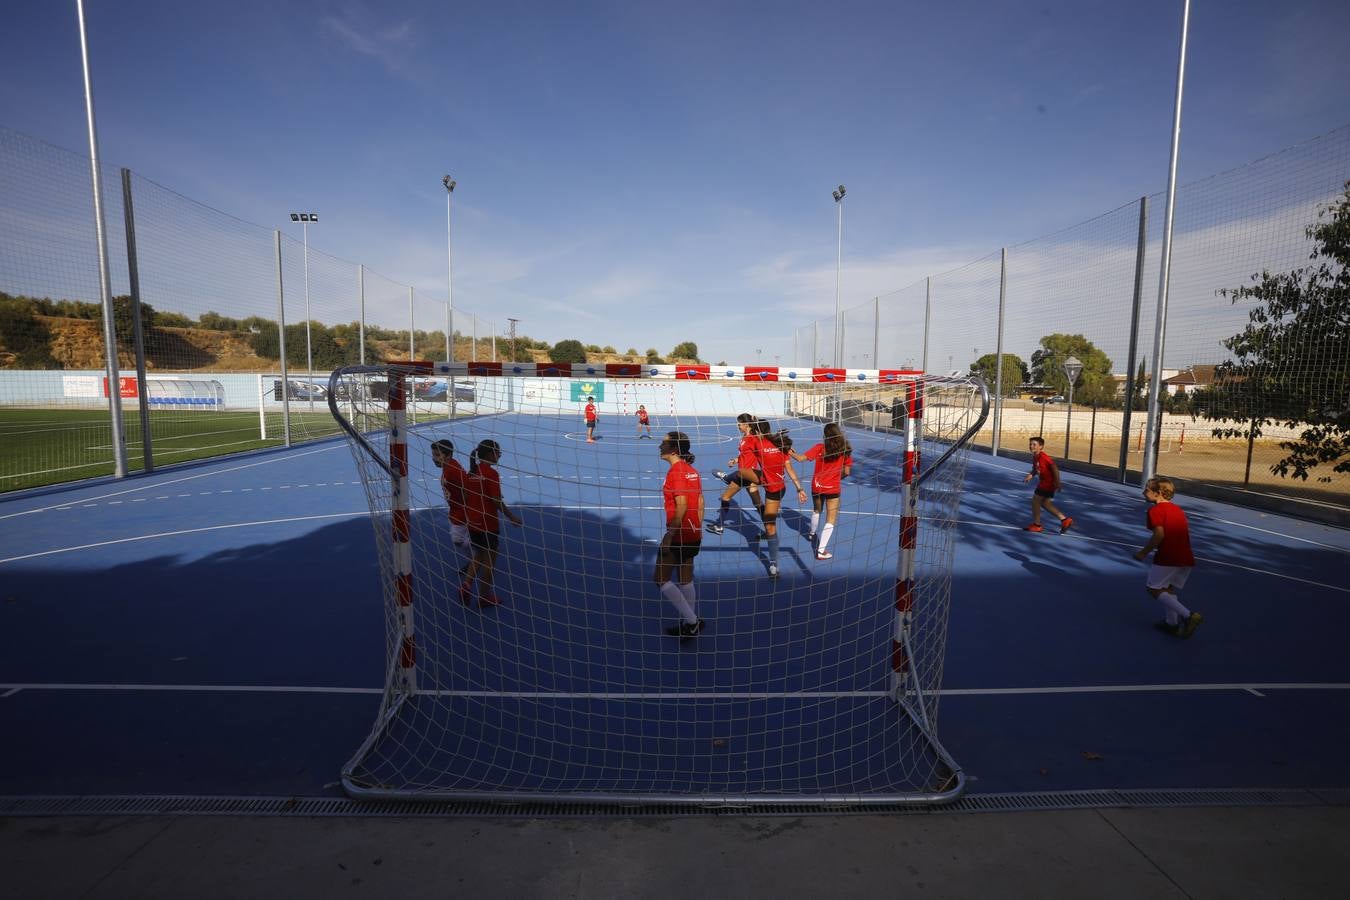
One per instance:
(449, 183)
(295, 217)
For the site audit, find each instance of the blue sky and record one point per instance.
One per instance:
(640, 174)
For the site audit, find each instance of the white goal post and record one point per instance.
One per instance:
(813, 677)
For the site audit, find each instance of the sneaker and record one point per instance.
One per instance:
(811, 538)
(1192, 622)
(1166, 627)
(1065, 524)
(490, 599)
(685, 630)
(466, 595)
(715, 527)
(1033, 527)
(824, 554)
(773, 570)
(719, 475)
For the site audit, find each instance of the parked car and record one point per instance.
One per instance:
(1058, 398)
(299, 390)
(433, 390)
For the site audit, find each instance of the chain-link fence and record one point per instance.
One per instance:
(239, 325)
(1247, 404)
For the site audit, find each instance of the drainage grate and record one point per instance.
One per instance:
(305, 807)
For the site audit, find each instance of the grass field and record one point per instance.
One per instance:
(51, 446)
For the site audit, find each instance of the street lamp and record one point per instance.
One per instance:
(304, 219)
(838, 270)
(1072, 369)
(449, 275)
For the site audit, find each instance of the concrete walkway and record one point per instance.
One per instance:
(1266, 852)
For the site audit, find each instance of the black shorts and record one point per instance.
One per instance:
(677, 554)
(775, 495)
(484, 540)
(1047, 493)
(819, 496)
(737, 478)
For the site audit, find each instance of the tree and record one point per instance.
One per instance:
(1014, 372)
(568, 351)
(685, 350)
(24, 335)
(1094, 385)
(1291, 364)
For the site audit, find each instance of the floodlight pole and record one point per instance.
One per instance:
(449, 184)
(119, 446)
(838, 276)
(304, 219)
(1150, 464)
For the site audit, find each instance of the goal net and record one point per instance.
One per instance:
(556, 669)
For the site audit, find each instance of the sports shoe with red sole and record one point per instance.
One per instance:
(1065, 524)
(1032, 528)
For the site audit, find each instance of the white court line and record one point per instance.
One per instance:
(159, 485)
(1100, 489)
(685, 695)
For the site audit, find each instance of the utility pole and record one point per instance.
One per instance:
(511, 333)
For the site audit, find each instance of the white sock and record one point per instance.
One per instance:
(825, 537)
(1173, 604)
(671, 591)
(815, 521)
(1171, 618)
(690, 597)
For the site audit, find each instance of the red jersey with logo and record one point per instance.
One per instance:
(1175, 549)
(828, 475)
(482, 490)
(1044, 467)
(683, 481)
(748, 454)
(774, 461)
(642, 417)
(590, 412)
(452, 485)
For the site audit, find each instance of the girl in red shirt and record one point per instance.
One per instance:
(1173, 562)
(643, 422)
(482, 505)
(452, 488)
(834, 462)
(592, 419)
(682, 493)
(745, 472)
(777, 468)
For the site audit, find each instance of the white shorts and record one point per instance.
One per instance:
(1162, 576)
(459, 534)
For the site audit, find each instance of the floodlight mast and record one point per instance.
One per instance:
(838, 271)
(304, 219)
(449, 184)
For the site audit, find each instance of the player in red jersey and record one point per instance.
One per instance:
(643, 422)
(683, 496)
(452, 488)
(1173, 562)
(483, 506)
(834, 462)
(592, 419)
(1044, 469)
(745, 472)
(777, 469)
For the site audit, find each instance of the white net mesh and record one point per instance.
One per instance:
(819, 683)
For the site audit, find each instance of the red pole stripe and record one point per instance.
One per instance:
(911, 465)
(904, 596)
(407, 652)
(397, 396)
(909, 532)
(403, 584)
(899, 659)
(402, 526)
(398, 457)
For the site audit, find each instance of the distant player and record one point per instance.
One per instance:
(777, 469)
(483, 505)
(1048, 484)
(683, 496)
(745, 473)
(452, 488)
(1173, 562)
(834, 462)
(643, 422)
(592, 419)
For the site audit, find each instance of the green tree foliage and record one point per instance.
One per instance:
(570, 351)
(328, 353)
(685, 350)
(216, 322)
(631, 351)
(593, 348)
(654, 357)
(1291, 364)
(1094, 385)
(1014, 372)
(24, 335)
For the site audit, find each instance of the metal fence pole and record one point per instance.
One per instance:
(412, 331)
(876, 332)
(137, 327)
(361, 292)
(1130, 387)
(927, 318)
(998, 351)
(281, 344)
